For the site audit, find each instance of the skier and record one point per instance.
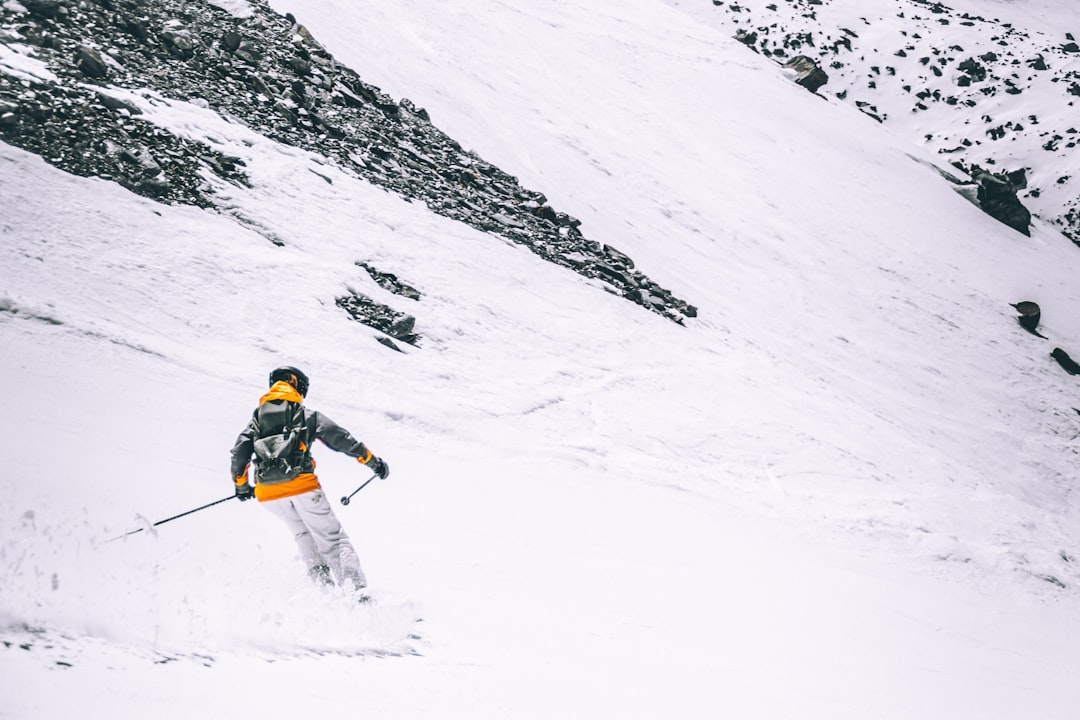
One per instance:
(280, 435)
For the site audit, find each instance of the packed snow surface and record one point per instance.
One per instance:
(846, 490)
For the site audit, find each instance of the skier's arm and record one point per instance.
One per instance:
(241, 452)
(338, 438)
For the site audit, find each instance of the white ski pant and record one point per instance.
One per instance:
(319, 535)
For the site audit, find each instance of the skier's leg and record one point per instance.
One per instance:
(314, 560)
(315, 511)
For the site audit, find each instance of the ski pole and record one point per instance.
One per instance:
(174, 517)
(345, 500)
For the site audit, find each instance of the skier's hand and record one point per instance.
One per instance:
(379, 466)
(244, 491)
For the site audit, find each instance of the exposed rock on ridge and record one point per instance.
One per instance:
(267, 71)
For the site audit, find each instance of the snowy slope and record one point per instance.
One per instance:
(845, 491)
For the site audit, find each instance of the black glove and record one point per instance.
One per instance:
(379, 466)
(244, 492)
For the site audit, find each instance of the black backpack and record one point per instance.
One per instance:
(281, 446)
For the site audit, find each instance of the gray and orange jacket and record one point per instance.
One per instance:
(319, 427)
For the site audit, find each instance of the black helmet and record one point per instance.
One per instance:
(291, 375)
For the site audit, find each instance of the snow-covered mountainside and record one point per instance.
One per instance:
(265, 70)
(988, 84)
(827, 475)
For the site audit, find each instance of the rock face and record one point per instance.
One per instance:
(806, 72)
(269, 72)
(997, 196)
(979, 91)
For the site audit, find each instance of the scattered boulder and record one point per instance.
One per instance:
(806, 72)
(996, 194)
(117, 104)
(90, 62)
(179, 43)
(230, 41)
(383, 318)
(747, 38)
(1029, 315)
(972, 71)
(1067, 363)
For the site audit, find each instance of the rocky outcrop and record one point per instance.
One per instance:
(267, 71)
(397, 325)
(997, 196)
(958, 84)
(1029, 315)
(1065, 361)
(806, 72)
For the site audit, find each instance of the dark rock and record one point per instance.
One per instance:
(345, 96)
(564, 220)
(1017, 178)
(117, 104)
(230, 41)
(90, 62)
(390, 282)
(249, 52)
(868, 109)
(299, 66)
(137, 29)
(618, 258)
(154, 184)
(996, 194)
(807, 72)
(381, 317)
(972, 70)
(46, 9)
(546, 212)
(260, 86)
(179, 44)
(1029, 315)
(747, 38)
(420, 112)
(402, 329)
(617, 277)
(1067, 363)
